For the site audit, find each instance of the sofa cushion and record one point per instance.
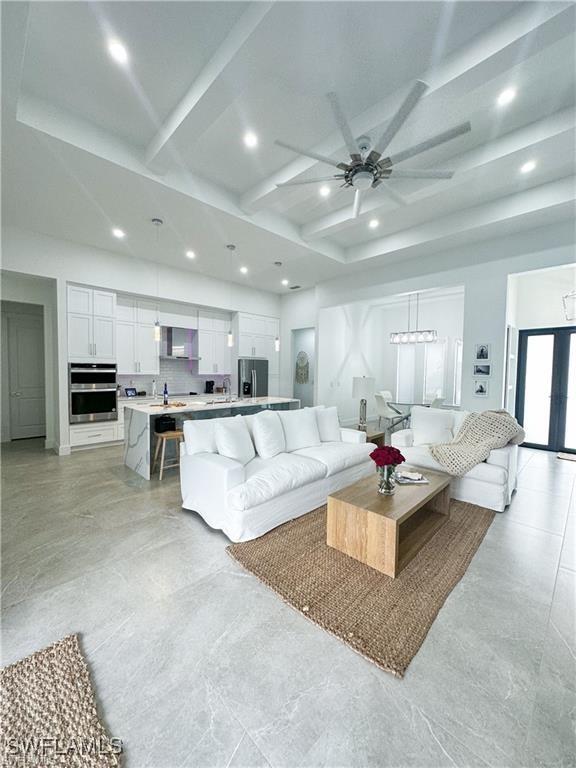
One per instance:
(458, 420)
(328, 424)
(268, 478)
(337, 456)
(431, 425)
(199, 435)
(268, 434)
(233, 439)
(300, 428)
(420, 456)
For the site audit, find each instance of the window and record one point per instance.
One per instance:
(457, 371)
(434, 370)
(406, 373)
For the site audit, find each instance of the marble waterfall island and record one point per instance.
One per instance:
(139, 421)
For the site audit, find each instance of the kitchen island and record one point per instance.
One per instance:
(139, 421)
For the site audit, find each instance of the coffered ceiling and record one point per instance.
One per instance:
(90, 143)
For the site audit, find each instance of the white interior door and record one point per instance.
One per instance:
(26, 377)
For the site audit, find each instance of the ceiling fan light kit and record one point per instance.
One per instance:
(368, 168)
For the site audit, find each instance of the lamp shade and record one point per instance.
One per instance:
(363, 387)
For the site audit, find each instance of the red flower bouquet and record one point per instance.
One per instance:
(386, 459)
(386, 456)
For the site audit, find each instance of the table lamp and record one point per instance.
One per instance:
(363, 388)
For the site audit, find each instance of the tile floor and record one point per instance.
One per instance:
(197, 664)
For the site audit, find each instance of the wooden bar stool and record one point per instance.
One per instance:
(161, 439)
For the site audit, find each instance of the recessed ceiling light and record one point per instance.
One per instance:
(528, 166)
(324, 190)
(508, 95)
(244, 270)
(250, 139)
(285, 282)
(119, 233)
(191, 254)
(373, 223)
(117, 51)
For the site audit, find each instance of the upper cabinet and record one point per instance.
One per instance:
(91, 325)
(257, 338)
(137, 348)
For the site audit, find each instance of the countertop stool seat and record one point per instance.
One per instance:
(161, 439)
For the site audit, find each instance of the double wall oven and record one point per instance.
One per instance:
(93, 392)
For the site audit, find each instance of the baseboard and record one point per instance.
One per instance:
(49, 445)
(62, 450)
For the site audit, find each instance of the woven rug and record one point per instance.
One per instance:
(384, 619)
(48, 712)
(567, 456)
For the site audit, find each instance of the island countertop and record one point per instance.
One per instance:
(140, 439)
(193, 404)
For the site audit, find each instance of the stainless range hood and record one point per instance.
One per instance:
(179, 344)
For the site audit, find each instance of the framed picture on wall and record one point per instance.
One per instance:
(481, 369)
(480, 388)
(482, 352)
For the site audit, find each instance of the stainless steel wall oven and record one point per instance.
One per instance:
(93, 392)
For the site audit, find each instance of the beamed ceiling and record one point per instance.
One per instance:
(89, 144)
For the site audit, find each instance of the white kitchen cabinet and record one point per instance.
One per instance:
(214, 353)
(209, 322)
(92, 434)
(125, 347)
(104, 335)
(146, 312)
(79, 337)
(173, 319)
(91, 324)
(137, 349)
(126, 309)
(103, 304)
(147, 350)
(80, 299)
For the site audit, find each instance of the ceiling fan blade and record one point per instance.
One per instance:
(357, 203)
(387, 189)
(424, 173)
(313, 155)
(345, 130)
(309, 181)
(416, 92)
(433, 141)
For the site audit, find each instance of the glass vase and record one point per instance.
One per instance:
(387, 480)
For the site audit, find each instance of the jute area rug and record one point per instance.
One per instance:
(48, 712)
(384, 619)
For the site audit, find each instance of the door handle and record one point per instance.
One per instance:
(16, 394)
(95, 353)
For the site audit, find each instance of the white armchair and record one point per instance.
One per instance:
(489, 484)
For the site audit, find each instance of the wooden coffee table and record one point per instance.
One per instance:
(386, 532)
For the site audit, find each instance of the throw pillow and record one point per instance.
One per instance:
(233, 439)
(431, 425)
(268, 434)
(199, 436)
(300, 428)
(328, 424)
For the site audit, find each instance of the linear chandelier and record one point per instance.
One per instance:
(416, 336)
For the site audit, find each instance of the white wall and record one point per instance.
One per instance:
(297, 310)
(355, 341)
(35, 254)
(304, 340)
(535, 298)
(29, 290)
(483, 270)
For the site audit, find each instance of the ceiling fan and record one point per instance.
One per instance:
(368, 168)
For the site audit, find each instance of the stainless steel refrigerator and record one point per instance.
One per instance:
(252, 377)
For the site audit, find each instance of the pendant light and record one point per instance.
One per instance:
(157, 330)
(416, 336)
(277, 344)
(230, 338)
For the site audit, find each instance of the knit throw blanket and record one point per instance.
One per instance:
(479, 434)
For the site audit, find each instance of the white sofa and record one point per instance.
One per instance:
(489, 484)
(248, 491)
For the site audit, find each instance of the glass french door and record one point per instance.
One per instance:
(546, 388)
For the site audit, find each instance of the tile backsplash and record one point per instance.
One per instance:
(176, 373)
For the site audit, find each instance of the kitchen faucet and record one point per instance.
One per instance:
(227, 386)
